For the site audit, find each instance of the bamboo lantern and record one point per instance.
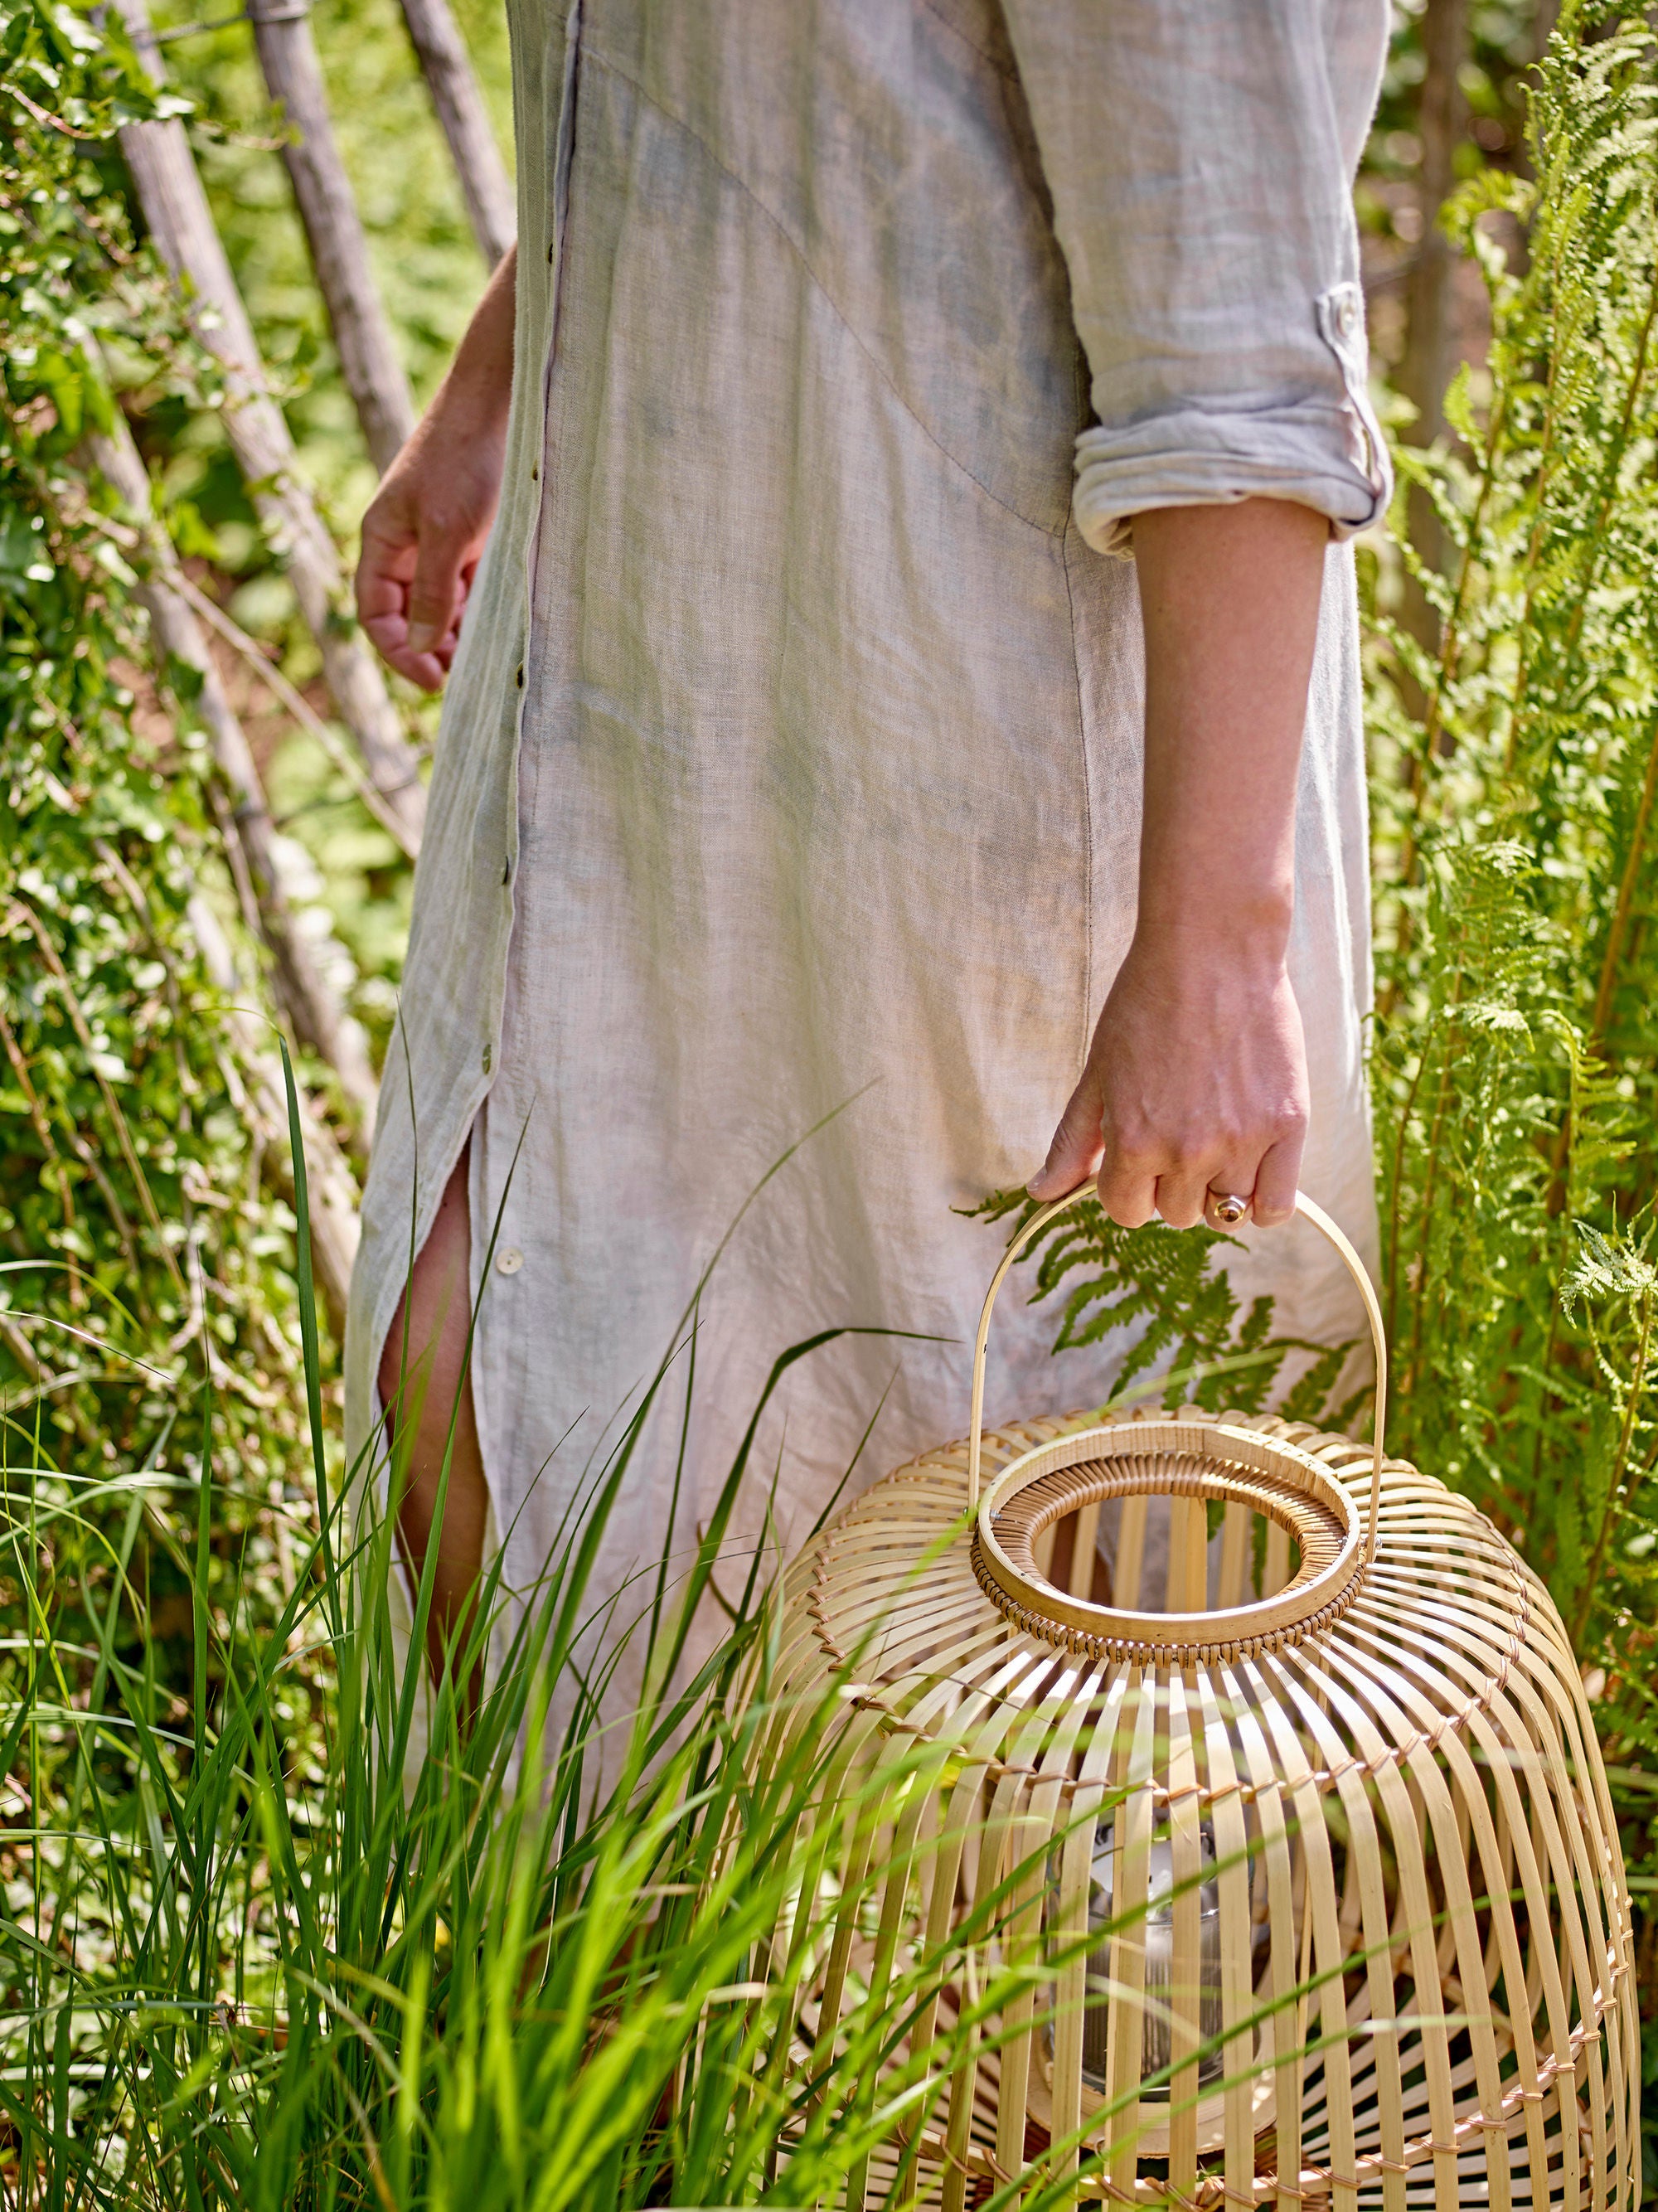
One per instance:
(1314, 1867)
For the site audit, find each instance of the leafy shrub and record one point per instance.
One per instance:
(1516, 1063)
(140, 1253)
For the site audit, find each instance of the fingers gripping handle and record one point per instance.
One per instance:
(1304, 1206)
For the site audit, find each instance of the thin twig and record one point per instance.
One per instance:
(51, 122)
(307, 716)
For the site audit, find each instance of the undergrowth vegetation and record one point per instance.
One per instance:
(470, 1977)
(1515, 1070)
(243, 1958)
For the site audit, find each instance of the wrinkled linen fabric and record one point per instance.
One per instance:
(790, 768)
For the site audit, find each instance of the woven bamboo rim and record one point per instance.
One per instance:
(1177, 1459)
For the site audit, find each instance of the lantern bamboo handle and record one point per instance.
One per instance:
(1304, 1206)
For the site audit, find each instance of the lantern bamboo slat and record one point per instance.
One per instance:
(1310, 1895)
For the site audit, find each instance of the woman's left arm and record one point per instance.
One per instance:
(1200, 154)
(1197, 1076)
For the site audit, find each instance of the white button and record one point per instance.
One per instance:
(509, 1261)
(1346, 317)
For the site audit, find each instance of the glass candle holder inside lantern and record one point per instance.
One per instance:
(1158, 1932)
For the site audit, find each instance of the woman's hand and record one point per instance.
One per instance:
(1196, 1081)
(424, 532)
(422, 538)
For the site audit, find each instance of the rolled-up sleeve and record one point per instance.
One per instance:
(1200, 154)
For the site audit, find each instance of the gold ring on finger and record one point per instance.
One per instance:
(1225, 1207)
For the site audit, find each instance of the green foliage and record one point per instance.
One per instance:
(137, 1251)
(1515, 1065)
(1157, 1291)
(237, 1964)
(1515, 1069)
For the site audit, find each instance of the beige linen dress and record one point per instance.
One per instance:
(791, 761)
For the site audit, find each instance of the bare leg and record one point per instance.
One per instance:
(434, 1311)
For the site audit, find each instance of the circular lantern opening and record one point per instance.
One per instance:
(1221, 1540)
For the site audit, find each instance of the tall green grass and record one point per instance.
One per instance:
(262, 1955)
(258, 1954)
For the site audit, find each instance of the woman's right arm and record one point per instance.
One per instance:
(424, 533)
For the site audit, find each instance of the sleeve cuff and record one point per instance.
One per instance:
(1327, 453)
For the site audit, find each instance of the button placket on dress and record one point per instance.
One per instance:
(562, 154)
